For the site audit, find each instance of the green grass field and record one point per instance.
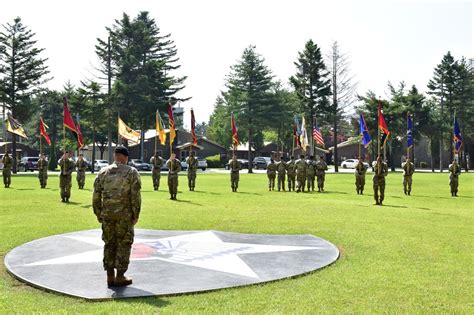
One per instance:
(413, 255)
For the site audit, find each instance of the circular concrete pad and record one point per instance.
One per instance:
(167, 262)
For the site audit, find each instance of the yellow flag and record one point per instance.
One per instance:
(15, 127)
(128, 133)
(160, 129)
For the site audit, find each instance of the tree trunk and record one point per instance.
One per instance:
(93, 150)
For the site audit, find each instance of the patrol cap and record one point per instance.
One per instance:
(121, 150)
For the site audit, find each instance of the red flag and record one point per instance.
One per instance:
(68, 122)
(42, 130)
(235, 136)
(193, 127)
(80, 139)
(383, 125)
(172, 125)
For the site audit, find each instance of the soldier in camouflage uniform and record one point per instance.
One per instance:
(174, 167)
(271, 174)
(116, 202)
(301, 167)
(291, 168)
(454, 172)
(234, 167)
(359, 172)
(408, 170)
(81, 166)
(43, 170)
(7, 169)
(65, 176)
(157, 162)
(380, 171)
(192, 169)
(281, 168)
(321, 168)
(310, 173)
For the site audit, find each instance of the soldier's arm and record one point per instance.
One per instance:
(97, 198)
(136, 200)
(179, 167)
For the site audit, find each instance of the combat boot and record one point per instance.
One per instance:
(121, 280)
(361, 191)
(110, 277)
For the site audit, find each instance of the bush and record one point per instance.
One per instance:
(423, 164)
(214, 161)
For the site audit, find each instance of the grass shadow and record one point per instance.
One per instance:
(23, 188)
(206, 192)
(72, 203)
(392, 206)
(248, 193)
(333, 192)
(189, 202)
(86, 206)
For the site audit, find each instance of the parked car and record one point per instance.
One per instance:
(100, 164)
(139, 165)
(202, 163)
(89, 164)
(184, 165)
(28, 163)
(244, 164)
(261, 162)
(1, 164)
(352, 163)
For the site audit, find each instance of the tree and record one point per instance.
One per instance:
(201, 129)
(22, 71)
(219, 129)
(343, 90)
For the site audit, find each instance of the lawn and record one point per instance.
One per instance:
(413, 255)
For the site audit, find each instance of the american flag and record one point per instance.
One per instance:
(317, 136)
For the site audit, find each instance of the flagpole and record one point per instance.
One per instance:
(41, 145)
(156, 132)
(378, 136)
(408, 147)
(118, 133)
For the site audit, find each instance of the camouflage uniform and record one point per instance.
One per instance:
(321, 168)
(454, 172)
(380, 171)
(81, 167)
(116, 202)
(192, 169)
(408, 170)
(271, 174)
(65, 178)
(281, 168)
(291, 168)
(234, 167)
(7, 170)
(301, 167)
(43, 172)
(174, 167)
(359, 172)
(157, 163)
(310, 173)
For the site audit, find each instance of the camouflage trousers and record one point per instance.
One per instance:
(321, 179)
(360, 182)
(234, 180)
(291, 182)
(43, 177)
(81, 178)
(7, 176)
(310, 182)
(191, 180)
(379, 186)
(271, 180)
(118, 240)
(173, 184)
(156, 176)
(281, 181)
(65, 185)
(407, 180)
(454, 183)
(300, 182)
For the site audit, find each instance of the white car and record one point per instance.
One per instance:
(352, 163)
(100, 164)
(202, 163)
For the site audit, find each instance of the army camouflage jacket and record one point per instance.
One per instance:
(81, 166)
(66, 166)
(156, 163)
(454, 169)
(281, 168)
(408, 168)
(301, 167)
(234, 166)
(311, 168)
(380, 169)
(360, 169)
(117, 193)
(7, 162)
(291, 167)
(174, 167)
(192, 164)
(271, 169)
(321, 168)
(42, 164)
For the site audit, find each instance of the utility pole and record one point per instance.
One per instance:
(441, 129)
(109, 92)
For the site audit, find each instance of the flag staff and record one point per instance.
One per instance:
(156, 131)
(408, 147)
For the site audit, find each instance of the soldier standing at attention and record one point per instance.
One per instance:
(81, 167)
(281, 168)
(157, 162)
(321, 168)
(291, 168)
(234, 167)
(43, 170)
(310, 173)
(65, 176)
(271, 173)
(360, 171)
(192, 169)
(7, 169)
(174, 167)
(301, 167)
(116, 202)
(380, 171)
(408, 170)
(454, 172)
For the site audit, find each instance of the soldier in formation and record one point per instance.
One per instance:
(81, 166)
(321, 168)
(310, 173)
(234, 167)
(359, 172)
(301, 167)
(271, 173)
(380, 171)
(192, 170)
(454, 172)
(7, 162)
(66, 165)
(291, 169)
(116, 202)
(43, 170)
(281, 169)
(174, 167)
(408, 170)
(156, 162)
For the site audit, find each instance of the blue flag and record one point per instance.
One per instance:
(364, 131)
(298, 126)
(409, 132)
(457, 135)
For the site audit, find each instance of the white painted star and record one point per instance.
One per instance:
(203, 249)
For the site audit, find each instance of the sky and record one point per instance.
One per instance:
(385, 40)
